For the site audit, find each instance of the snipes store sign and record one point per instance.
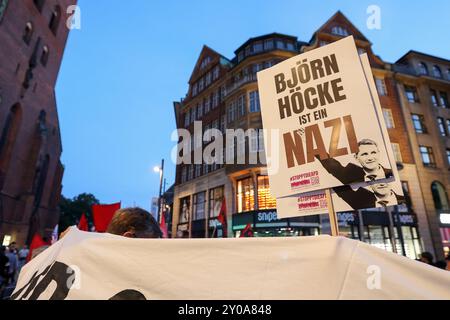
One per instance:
(266, 216)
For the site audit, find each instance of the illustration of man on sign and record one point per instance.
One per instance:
(380, 195)
(369, 158)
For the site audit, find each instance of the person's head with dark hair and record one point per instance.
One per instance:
(427, 258)
(134, 223)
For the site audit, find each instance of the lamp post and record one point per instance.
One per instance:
(160, 170)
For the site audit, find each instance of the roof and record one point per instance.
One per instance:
(426, 55)
(263, 37)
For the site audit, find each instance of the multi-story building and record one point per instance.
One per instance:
(223, 94)
(423, 82)
(33, 35)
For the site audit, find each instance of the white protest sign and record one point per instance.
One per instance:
(357, 196)
(329, 135)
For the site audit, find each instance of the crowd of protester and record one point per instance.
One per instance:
(11, 262)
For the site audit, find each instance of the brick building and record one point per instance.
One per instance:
(223, 93)
(33, 36)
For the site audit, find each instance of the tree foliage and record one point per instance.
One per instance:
(72, 209)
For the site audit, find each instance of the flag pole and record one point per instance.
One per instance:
(332, 214)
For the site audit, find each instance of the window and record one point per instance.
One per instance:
(323, 43)
(191, 170)
(397, 153)
(441, 125)
(434, 98)
(193, 114)
(361, 51)
(198, 170)
(448, 70)
(290, 46)
(268, 44)
(440, 197)
(28, 33)
(411, 94)
(231, 112)
(245, 195)
(183, 174)
(55, 19)
(201, 84)
(44, 56)
(340, 31)
(187, 118)
(241, 105)
(208, 79)
(448, 156)
(444, 100)
(185, 209)
(265, 200)
(254, 102)
(419, 123)
(39, 4)
(216, 72)
(216, 197)
(427, 156)
(240, 56)
(257, 47)
(216, 98)
(223, 93)
(205, 62)
(194, 89)
(381, 86)
(448, 125)
(388, 118)
(423, 70)
(280, 44)
(437, 72)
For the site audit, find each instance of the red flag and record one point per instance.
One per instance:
(36, 243)
(103, 214)
(83, 224)
(223, 218)
(163, 225)
(247, 232)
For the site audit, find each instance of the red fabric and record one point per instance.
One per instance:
(223, 218)
(103, 214)
(36, 243)
(163, 225)
(83, 224)
(247, 232)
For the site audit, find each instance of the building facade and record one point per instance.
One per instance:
(223, 94)
(33, 35)
(423, 82)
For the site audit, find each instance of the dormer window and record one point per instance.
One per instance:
(423, 70)
(240, 56)
(437, 72)
(257, 47)
(268, 44)
(205, 62)
(448, 74)
(340, 31)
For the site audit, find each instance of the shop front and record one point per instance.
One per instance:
(265, 223)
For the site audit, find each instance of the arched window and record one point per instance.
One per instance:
(423, 69)
(28, 33)
(440, 197)
(8, 139)
(45, 55)
(55, 19)
(437, 72)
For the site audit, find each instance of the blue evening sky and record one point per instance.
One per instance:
(132, 59)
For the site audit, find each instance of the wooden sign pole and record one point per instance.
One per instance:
(332, 214)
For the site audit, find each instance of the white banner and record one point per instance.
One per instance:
(329, 135)
(101, 266)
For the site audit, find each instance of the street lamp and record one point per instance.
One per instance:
(160, 170)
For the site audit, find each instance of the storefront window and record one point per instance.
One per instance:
(185, 207)
(265, 200)
(199, 206)
(215, 201)
(411, 241)
(378, 236)
(245, 195)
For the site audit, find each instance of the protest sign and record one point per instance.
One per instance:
(357, 196)
(321, 105)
